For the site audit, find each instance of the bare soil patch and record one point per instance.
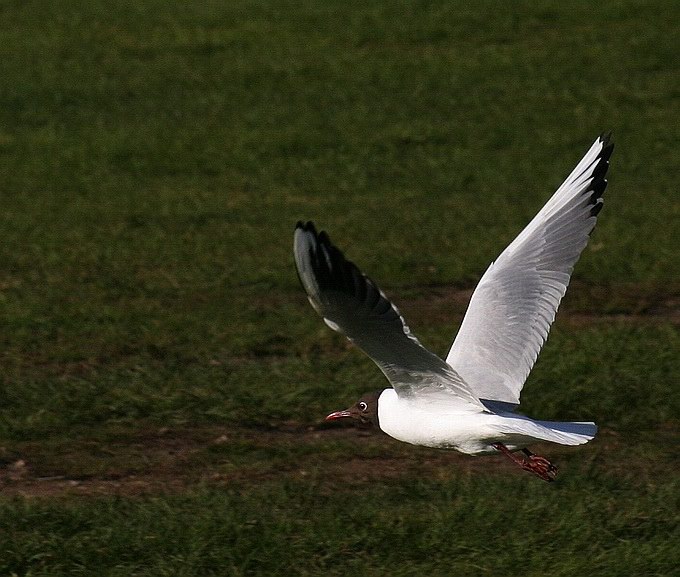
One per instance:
(330, 459)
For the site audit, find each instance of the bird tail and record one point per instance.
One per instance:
(570, 433)
(524, 430)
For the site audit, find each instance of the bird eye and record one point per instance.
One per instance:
(363, 406)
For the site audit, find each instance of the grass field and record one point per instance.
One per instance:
(163, 379)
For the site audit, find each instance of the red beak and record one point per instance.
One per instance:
(338, 415)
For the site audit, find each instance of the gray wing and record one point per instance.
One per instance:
(515, 303)
(353, 305)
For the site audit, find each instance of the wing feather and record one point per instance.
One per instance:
(353, 305)
(515, 302)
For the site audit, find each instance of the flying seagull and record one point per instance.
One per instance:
(466, 402)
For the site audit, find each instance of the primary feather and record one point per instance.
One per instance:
(515, 302)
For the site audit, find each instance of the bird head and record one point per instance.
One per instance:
(363, 413)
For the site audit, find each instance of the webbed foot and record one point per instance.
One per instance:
(539, 466)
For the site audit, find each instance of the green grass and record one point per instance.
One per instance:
(599, 525)
(154, 158)
(623, 377)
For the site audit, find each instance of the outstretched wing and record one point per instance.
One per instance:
(515, 302)
(353, 305)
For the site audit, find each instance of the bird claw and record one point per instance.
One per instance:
(541, 467)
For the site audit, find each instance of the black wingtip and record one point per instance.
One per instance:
(598, 188)
(606, 138)
(599, 182)
(306, 226)
(324, 239)
(321, 238)
(331, 269)
(607, 145)
(597, 207)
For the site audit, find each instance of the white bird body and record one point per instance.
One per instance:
(466, 402)
(468, 429)
(437, 425)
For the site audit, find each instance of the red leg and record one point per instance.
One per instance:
(539, 466)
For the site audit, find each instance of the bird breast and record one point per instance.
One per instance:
(435, 424)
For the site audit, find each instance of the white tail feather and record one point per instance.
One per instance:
(526, 430)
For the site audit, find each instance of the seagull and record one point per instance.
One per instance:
(467, 402)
